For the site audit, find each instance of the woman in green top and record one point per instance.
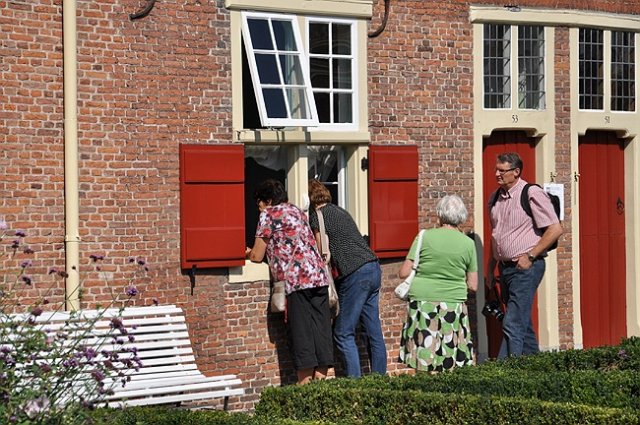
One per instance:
(436, 335)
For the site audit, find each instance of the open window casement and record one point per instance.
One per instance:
(279, 70)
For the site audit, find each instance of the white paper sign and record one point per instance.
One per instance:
(558, 190)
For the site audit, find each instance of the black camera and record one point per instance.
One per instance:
(492, 308)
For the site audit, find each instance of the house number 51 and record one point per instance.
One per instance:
(607, 119)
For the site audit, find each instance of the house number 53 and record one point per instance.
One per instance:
(514, 118)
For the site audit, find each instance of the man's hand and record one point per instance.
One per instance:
(524, 263)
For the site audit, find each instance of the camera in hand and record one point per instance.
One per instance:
(492, 308)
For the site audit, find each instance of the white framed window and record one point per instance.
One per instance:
(606, 70)
(331, 46)
(278, 67)
(499, 69)
(531, 93)
(623, 71)
(497, 65)
(591, 68)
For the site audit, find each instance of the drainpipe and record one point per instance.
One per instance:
(71, 210)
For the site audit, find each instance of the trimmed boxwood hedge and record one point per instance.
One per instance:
(625, 356)
(173, 416)
(596, 386)
(606, 389)
(390, 407)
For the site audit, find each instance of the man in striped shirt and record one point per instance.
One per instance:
(519, 245)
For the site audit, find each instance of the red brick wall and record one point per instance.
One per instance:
(146, 86)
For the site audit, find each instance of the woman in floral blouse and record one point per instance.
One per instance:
(285, 237)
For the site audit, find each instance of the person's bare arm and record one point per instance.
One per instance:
(256, 254)
(405, 269)
(472, 281)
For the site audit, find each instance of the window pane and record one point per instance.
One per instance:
(323, 107)
(267, 69)
(283, 32)
(324, 166)
(343, 107)
(291, 70)
(274, 102)
(623, 85)
(278, 74)
(590, 68)
(342, 73)
(531, 67)
(331, 68)
(260, 35)
(341, 43)
(319, 73)
(319, 38)
(497, 62)
(297, 103)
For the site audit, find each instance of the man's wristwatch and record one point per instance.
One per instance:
(531, 258)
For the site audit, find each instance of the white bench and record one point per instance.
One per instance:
(168, 373)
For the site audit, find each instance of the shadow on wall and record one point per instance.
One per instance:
(279, 336)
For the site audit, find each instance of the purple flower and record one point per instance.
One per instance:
(3, 224)
(15, 244)
(97, 375)
(622, 354)
(90, 353)
(132, 291)
(53, 270)
(96, 257)
(26, 279)
(28, 250)
(132, 260)
(116, 323)
(155, 301)
(45, 368)
(37, 311)
(20, 234)
(25, 264)
(141, 262)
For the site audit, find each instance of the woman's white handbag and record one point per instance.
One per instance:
(402, 290)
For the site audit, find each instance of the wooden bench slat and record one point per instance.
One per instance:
(146, 392)
(178, 398)
(174, 382)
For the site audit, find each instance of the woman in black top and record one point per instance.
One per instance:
(358, 282)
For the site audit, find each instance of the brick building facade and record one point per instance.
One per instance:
(439, 77)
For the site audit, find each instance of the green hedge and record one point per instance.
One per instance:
(619, 389)
(389, 407)
(625, 356)
(611, 389)
(175, 416)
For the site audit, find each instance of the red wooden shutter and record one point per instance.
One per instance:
(212, 206)
(393, 199)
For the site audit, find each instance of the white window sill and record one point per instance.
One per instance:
(250, 272)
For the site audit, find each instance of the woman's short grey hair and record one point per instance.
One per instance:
(451, 210)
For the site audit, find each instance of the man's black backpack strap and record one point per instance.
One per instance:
(494, 199)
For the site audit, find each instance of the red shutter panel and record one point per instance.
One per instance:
(212, 206)
(393, 199)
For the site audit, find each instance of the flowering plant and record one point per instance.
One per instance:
(55, 366)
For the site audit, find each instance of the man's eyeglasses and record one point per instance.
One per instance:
(502, 172)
